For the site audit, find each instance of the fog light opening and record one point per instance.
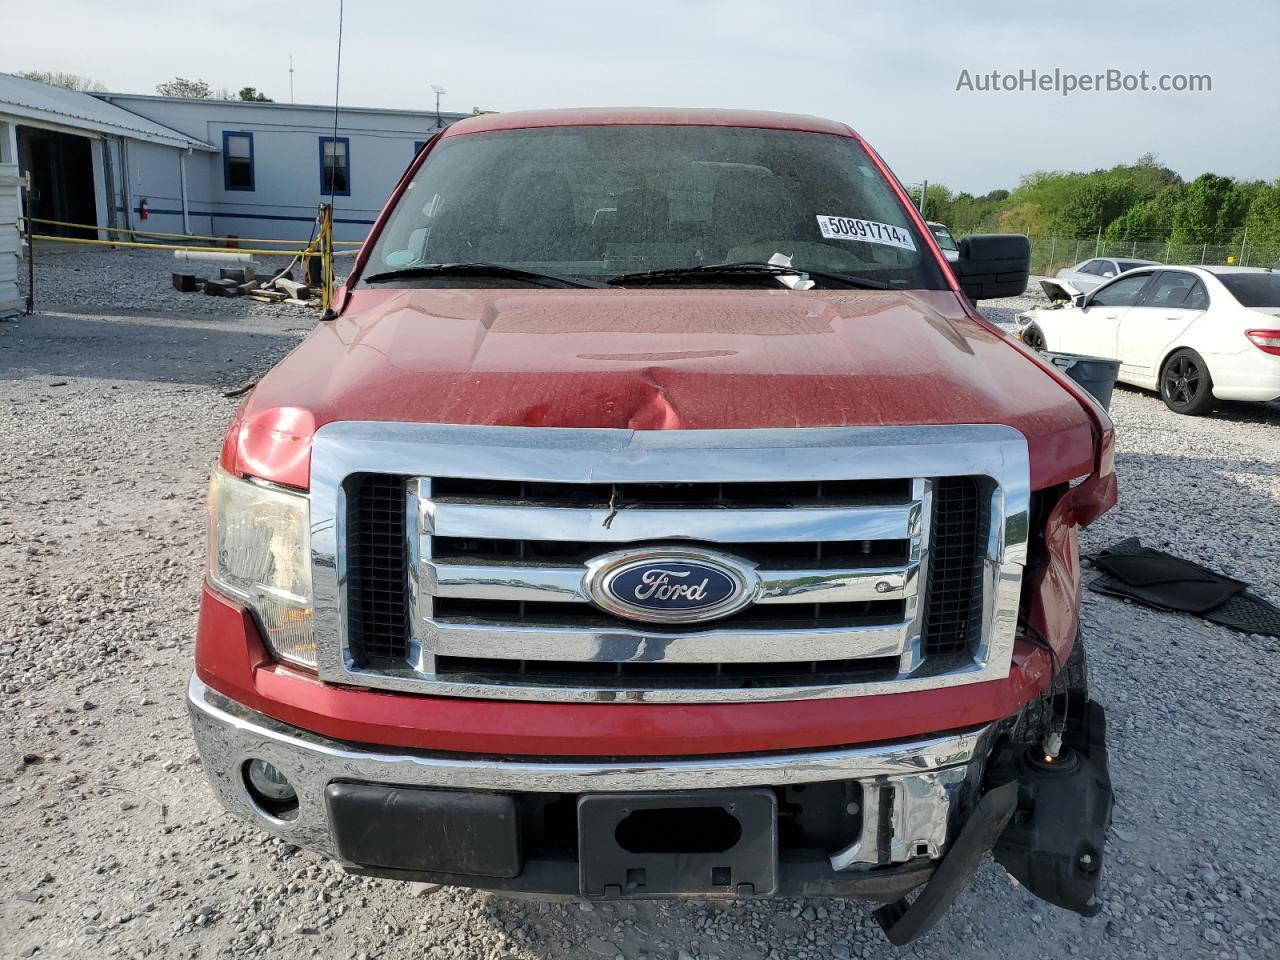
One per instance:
(270, 791)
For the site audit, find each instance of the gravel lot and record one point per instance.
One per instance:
(113, 845)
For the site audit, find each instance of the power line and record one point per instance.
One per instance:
(337, 86)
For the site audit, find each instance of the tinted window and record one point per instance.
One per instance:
(1122, 293)
(237, 161)
(1198, 298)
(335, 165)
(1131, 264)
(1170, 290)
(603, 200)
(1090, 266)
(1253, 289)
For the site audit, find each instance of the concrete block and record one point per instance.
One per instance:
(221, 288)
(185, 282)
(299, 291)
(241, 274)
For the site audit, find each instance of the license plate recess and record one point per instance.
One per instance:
(702, 843)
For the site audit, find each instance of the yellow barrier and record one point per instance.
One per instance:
(170, 246)
(177, 236)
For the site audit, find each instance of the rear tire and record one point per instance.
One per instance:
(1185, 384)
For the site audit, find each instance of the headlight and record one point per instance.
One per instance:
(260, 552)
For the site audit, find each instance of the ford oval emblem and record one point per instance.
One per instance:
(672, 585)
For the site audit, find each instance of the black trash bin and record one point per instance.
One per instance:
(1097, 375)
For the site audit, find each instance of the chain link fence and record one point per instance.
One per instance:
(1051, 254)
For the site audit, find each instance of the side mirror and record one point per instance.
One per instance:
(993, 265)
(1079, 299)
(1108, 274)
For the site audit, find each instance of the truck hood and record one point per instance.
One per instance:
(656, 360)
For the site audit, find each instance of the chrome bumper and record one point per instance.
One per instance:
(921, 783)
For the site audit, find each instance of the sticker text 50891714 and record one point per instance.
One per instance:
(869, 231)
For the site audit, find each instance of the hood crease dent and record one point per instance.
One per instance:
(661, 359)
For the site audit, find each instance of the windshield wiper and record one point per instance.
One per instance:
(730, 270)
(478, 269)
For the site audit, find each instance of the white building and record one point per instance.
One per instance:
(83, 154)
(204, 167)
(275, 162)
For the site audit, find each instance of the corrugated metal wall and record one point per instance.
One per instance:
(10, 241)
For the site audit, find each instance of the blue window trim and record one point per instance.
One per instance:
(417, 146)
(226, 172)
(324, 189)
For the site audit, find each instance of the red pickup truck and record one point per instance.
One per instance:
(655, 516)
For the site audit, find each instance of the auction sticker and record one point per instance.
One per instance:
(869, 231)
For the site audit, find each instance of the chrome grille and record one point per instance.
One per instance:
(870, 580)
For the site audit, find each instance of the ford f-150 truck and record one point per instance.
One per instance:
(654, 515)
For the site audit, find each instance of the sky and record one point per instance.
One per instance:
(889, 69)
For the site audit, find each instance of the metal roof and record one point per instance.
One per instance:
(44, 103)
(279, 105)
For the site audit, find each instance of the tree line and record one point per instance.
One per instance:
(177, 87)
(1142, 201)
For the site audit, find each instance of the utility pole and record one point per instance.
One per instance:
(924, 189)
(291, 78)
(438, 90)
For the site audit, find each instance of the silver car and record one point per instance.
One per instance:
(1087, 274)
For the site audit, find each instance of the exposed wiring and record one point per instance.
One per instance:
(1052, 743)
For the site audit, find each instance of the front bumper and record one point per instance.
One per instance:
(914, 797)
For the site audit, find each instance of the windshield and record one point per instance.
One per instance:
(601, 201)
(1132, 264)
(943, 236)
(1253, 289)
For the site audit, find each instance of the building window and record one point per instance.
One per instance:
(335, 166)
(237, 160)
(417, 146)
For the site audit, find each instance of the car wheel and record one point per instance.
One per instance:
(1185, 384)
(1033, 337)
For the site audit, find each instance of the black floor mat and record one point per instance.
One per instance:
(1155, 579)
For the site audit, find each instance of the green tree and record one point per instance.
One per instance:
(1151, 220)
(1204, 210)
(188, 89)
(59, 78)
(1094, 204)
(251, 93)
(1263, 218)
(192, 90)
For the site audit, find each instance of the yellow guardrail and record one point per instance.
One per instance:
(322, 245)
(171, 246)
(133, 231)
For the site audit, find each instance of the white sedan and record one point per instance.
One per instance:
(1195, 334)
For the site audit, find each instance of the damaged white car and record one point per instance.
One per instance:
(1195, 334)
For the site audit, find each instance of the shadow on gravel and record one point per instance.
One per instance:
(215, 353)
(1234, 411)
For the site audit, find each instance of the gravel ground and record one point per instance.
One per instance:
(113, 845)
